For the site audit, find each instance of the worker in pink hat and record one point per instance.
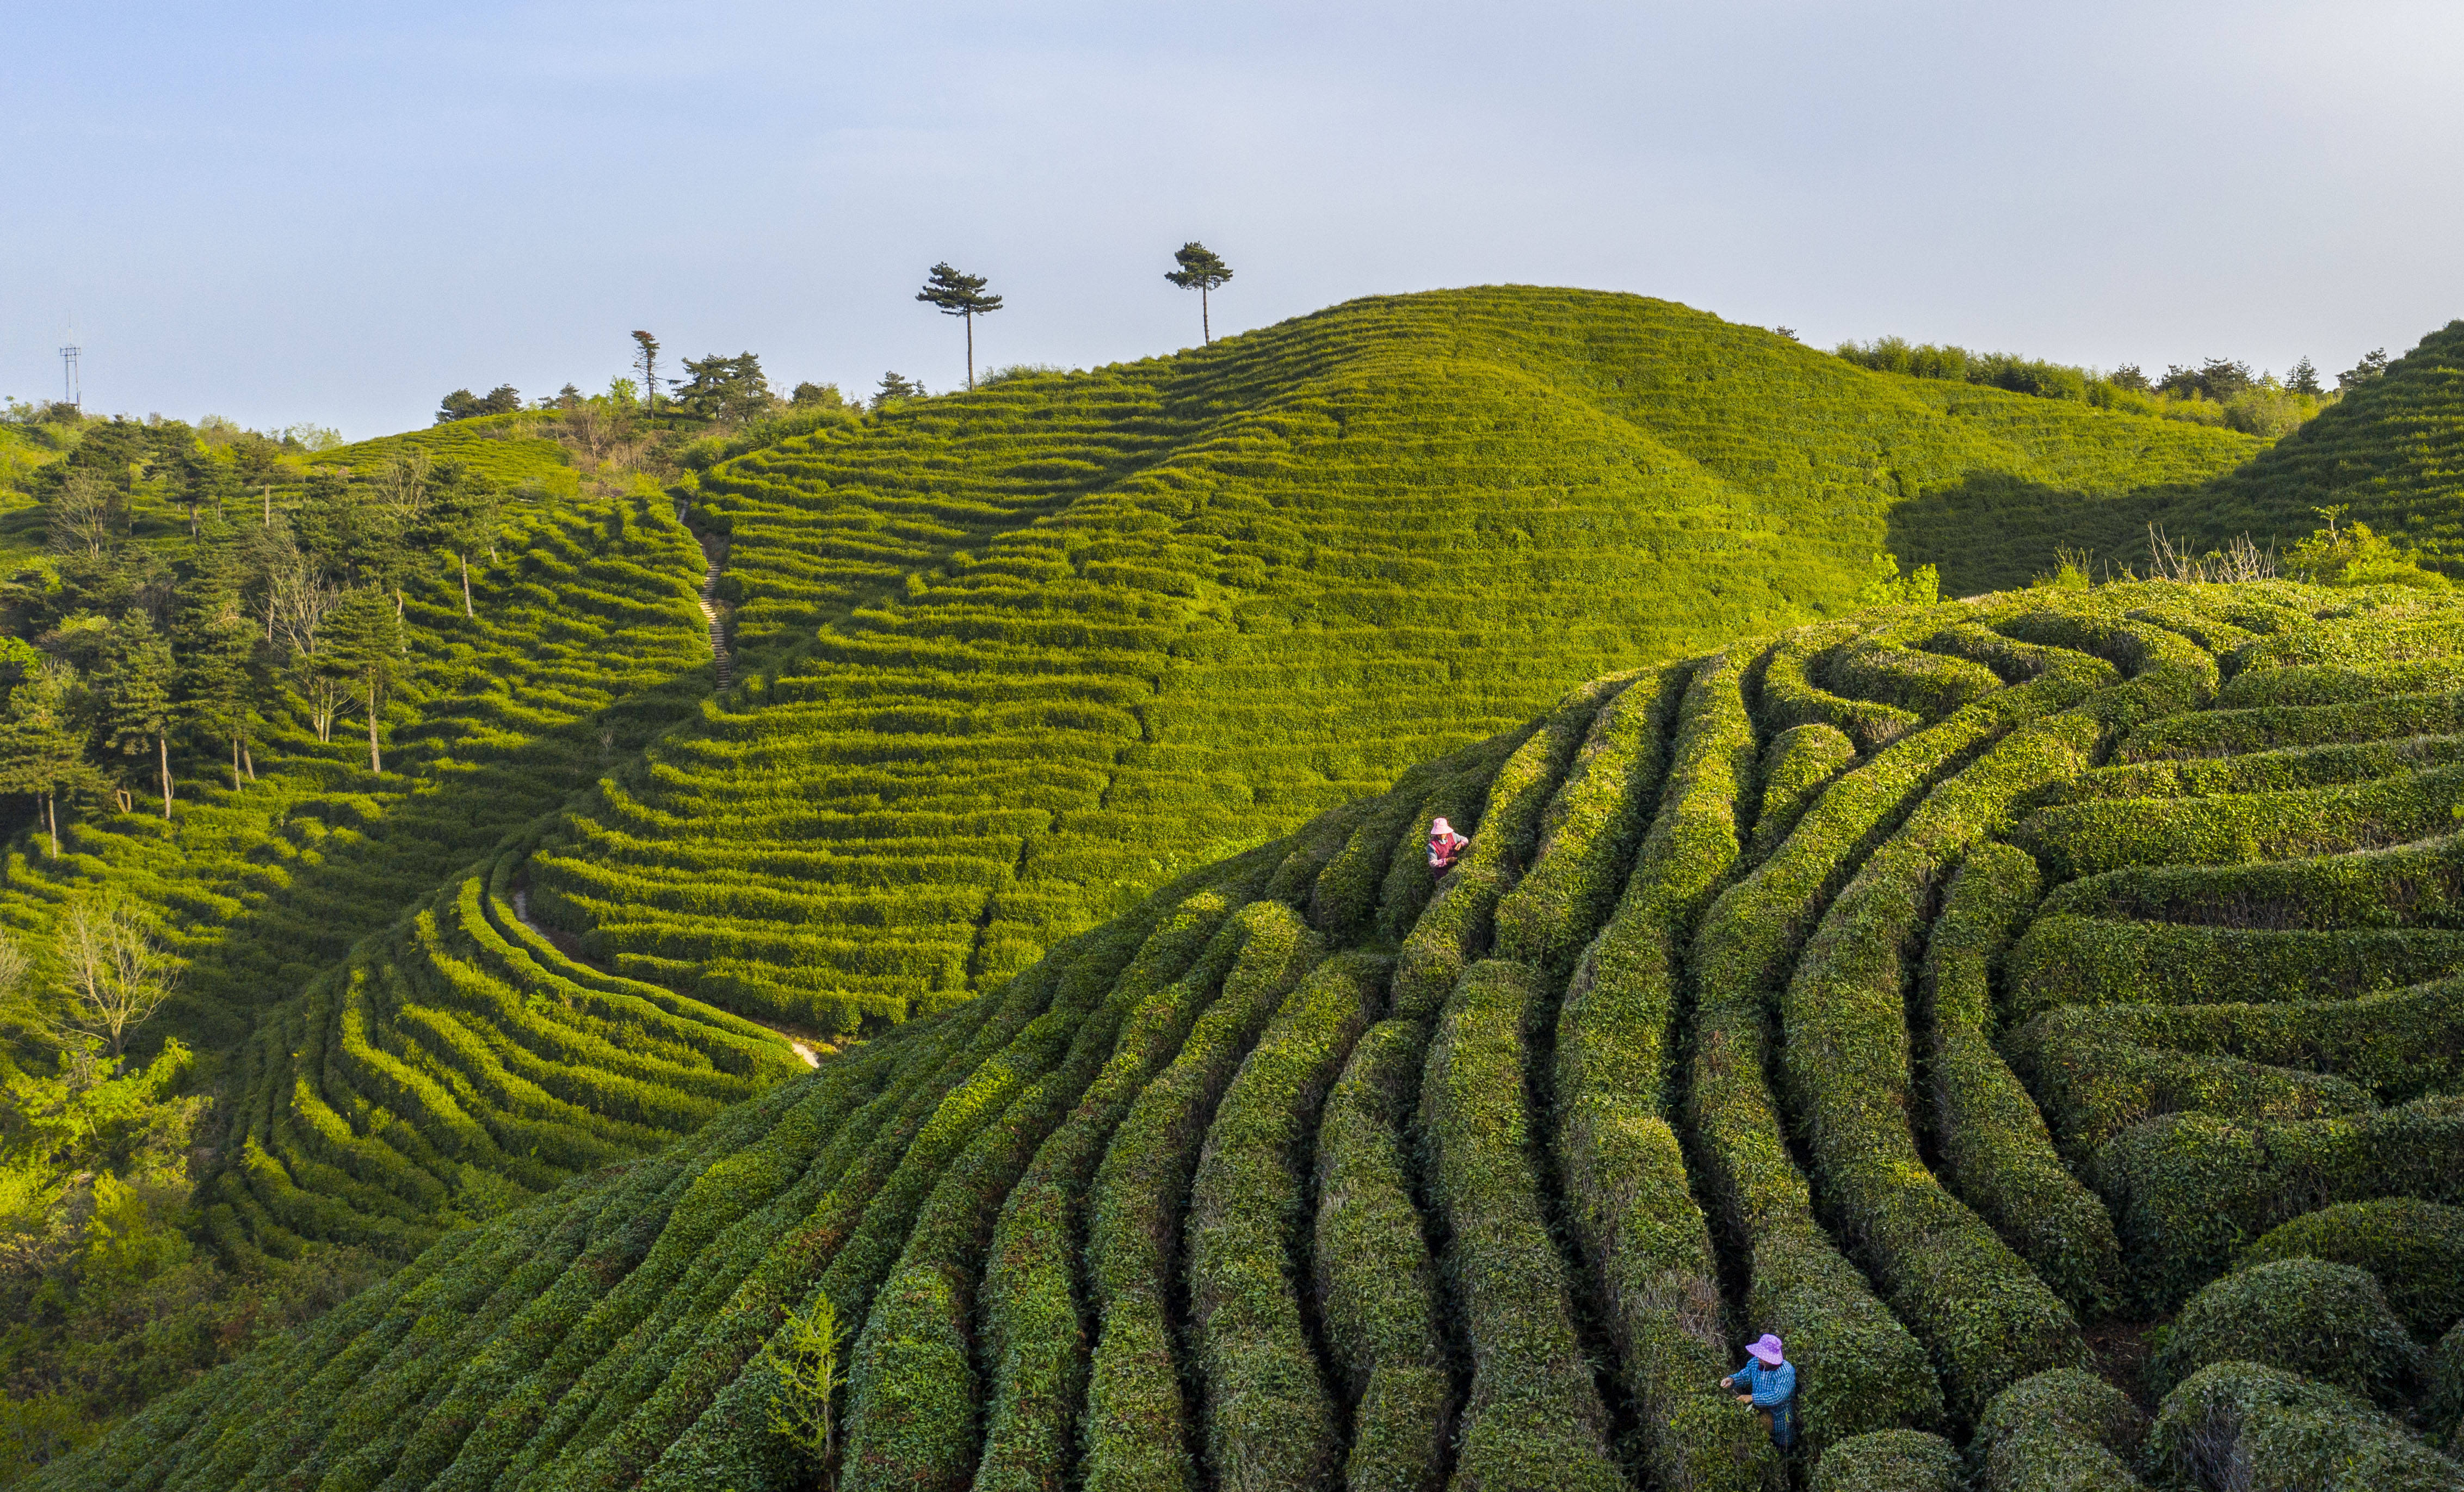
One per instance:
(1767, 1381)
(1445, 846)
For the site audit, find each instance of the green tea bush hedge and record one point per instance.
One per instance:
(1139, 1424)
(1375, 1282)
(2324, 1321)
(1625, 1177)
(1803, 759)
(2414, 1250)
(1533, 1414)
(1269, 1420)
(2188, 1190)
(1891, 1460)
(1996, 1154)
(2442, 1409)
(2062, 1431)
(2273, 1431)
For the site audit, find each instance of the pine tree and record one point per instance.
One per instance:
(206, 485)
(953, 294)
(213, 638)
(42, 751)
(2303, 379)
(646, 357)
(134, 684)
(1201, 270)
(463, 515)
(363, 643)
(895, 387)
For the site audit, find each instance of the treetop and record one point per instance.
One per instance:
(1200, 268)
(954, 293)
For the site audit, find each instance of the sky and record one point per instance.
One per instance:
(335, 213)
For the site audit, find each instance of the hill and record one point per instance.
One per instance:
(1005, 661)
(1927, 986)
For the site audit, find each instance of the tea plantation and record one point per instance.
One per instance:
(1945, 989)
(1005, 663)
(1010, 661)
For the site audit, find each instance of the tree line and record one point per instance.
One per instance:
(2220, 391)
(128, 661)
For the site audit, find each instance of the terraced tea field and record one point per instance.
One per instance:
(1009, 662)
(1003, 664)
(1945, 989)
(588, 642)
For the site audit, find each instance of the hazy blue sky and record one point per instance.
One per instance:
(335, 212)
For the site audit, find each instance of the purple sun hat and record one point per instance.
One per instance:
(1766, 1351)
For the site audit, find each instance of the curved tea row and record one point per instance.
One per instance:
(1925, 989)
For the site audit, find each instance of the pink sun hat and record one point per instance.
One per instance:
(1441, 826)
(1766, 1351)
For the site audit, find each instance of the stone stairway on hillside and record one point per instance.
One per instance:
(725, 663)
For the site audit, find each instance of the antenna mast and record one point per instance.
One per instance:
(72, 385)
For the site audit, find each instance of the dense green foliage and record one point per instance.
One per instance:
(1922, 984)
(282, 848)
(1276, 1176)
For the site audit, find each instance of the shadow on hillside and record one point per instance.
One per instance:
(358, 884)
(1993, 532)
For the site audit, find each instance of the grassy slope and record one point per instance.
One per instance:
(1008, 661)
(586, 643)
(502, 447)
(2391, 450)
(992, 1195)
(1078, 633)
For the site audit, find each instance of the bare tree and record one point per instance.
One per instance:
(118, 974)
(16, 974)
(85, 516)
(298, 602)
(2238, 561)
(402, 484)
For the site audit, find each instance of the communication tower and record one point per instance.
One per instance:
(72, 386)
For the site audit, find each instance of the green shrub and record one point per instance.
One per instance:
(2218, 733)
(1460, 916)
(1890, 1461)
(1787, 696)
(1033, 1337)
(1801, 762)
(1927, 684)
(2087, 837)
(1986, 1316)
(2067, 960)
(2442, 1409)
(2324, 1321)
(1139, 1427)
(2061, 1431)
(1534, 1416)
(2100, 1070)
(1641, 1233)
(1863, 1369)
(2270, 1431)
(1994, 1149)
(2190, 1190)
(1268, 1421)
(2410, 885)
(1376, 1284)
(2414, 1250)
(1587, 833)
